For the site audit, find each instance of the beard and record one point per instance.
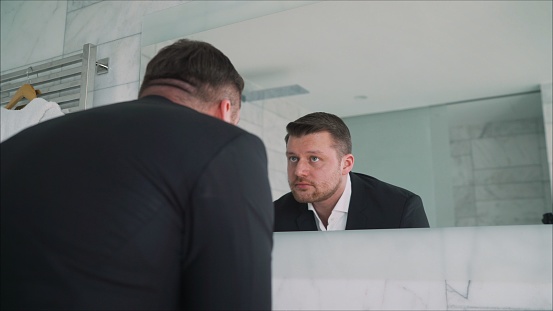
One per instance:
(317, 192)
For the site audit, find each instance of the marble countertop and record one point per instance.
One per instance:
(463, 268)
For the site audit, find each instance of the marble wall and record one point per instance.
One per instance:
(115, 27)
(470, 268)
(546, 95)
(500, 173)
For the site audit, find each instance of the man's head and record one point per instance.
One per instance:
(318, 149)
(198, 75)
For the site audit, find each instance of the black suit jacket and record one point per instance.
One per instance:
(374, 204)
(138, 205)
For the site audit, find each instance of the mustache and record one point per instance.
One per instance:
(300, 180)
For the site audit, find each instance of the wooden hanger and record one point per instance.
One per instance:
(25, 91)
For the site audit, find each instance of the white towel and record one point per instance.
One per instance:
(38, 110)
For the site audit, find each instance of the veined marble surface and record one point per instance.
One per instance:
(31, 31)
(492, 268)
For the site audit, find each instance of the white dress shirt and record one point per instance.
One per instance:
(339, 216)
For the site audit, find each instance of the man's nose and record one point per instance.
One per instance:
(302, 168)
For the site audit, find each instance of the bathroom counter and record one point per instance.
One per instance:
(462, 268)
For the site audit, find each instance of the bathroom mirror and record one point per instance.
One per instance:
(442, 97)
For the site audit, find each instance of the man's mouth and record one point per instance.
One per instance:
(302, 185)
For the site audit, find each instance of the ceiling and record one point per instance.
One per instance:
(364, 57)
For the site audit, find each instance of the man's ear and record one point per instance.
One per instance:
(347, 163)
(224, 111)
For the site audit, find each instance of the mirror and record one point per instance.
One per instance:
(442, 98)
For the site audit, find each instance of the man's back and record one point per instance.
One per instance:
(126, 206)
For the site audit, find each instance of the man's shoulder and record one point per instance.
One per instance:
(285, 201)
(377, 185)
(287, 212)
(201, 122)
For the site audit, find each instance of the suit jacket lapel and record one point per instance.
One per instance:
(357, 212)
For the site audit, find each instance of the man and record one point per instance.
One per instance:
(326, 195)
(150, 204)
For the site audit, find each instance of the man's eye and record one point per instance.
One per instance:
(314, 159)
(293, 159)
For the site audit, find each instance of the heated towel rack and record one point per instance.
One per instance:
(69, 81)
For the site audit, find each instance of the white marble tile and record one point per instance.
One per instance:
(542, 143)
(353, 294)
(499, 253)
(36, 28)
(303, 111)
(278, 180)
(505, 151)
(251, 113)
(510, 212)
(544, 163)
(491, 268)
(283, 108)
(547, 197)
(499, 296)
(548, 139)
(465, 213)
(460, 148)
(107, 21)
(124, 58)
(462, 171)
(73, 5)
(528, 173)
(358, 294)
(465, 132)
(190, 19)
(551, 175)
(120, 93)
(274, 130)
(464, 201)
(413, 295)
(465, 222)
(277, 160)
(547, 112)
(508, 191)
(546, 89)
(512, 127)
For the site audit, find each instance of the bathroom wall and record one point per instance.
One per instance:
(408, 149)
(476, 163)
(546, 96)
(500, 174)
(34, 32)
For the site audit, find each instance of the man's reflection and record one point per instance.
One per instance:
(326, 195)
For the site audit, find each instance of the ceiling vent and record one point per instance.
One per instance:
(283, 91)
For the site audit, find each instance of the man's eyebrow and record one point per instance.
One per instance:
(309, 152)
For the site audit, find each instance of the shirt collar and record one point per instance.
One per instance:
(343, 203)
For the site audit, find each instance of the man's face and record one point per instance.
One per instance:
(315, 171)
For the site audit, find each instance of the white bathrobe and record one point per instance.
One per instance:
(38, 110)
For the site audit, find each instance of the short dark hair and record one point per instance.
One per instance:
(322, 122)
(196, 63)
